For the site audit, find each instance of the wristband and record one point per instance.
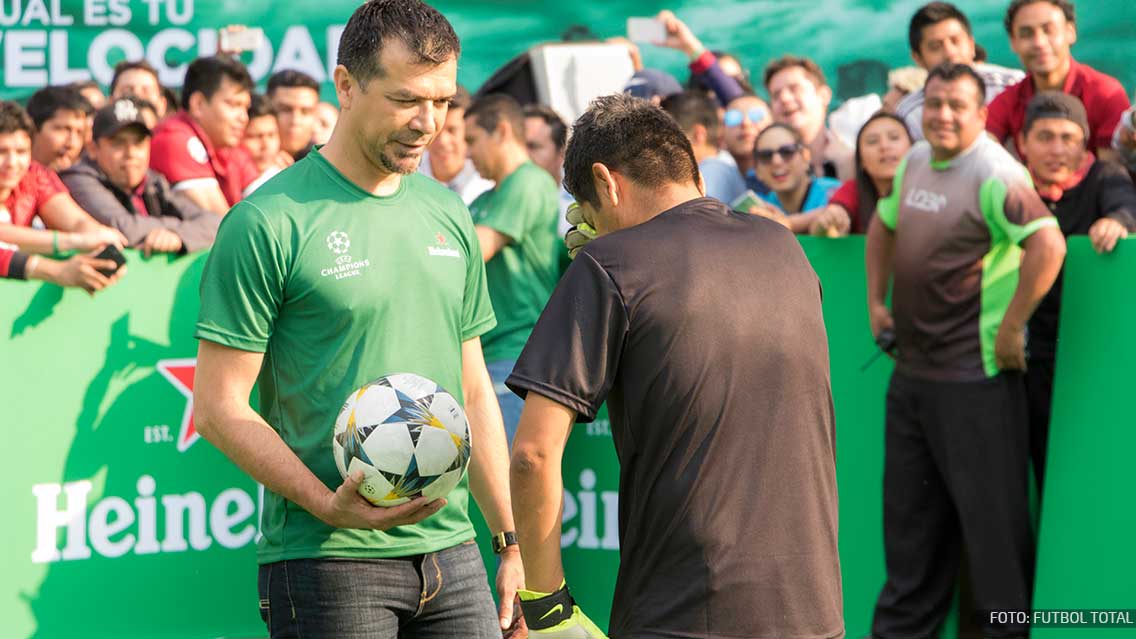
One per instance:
(549, 610)
(503, 540)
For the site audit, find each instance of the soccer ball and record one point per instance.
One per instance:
(408, 436)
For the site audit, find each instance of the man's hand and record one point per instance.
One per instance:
(283, 160)
(831, 221)
(632, 51)
(346, 508)
(93, 239)
(879, 316)
(679, 36)
(1105, 233)
(556, 616)
(510, 579)
(161, 241)
(581, 232)
(771, 212)
(1010, 347)
(81, 271)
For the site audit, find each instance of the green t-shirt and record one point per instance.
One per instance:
(338, 287)
(525, 207)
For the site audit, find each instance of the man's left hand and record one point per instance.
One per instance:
(1105, 233)
(1010, 347)
(510, 579)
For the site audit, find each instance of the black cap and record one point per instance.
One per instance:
(116, 116)
(1058, 106)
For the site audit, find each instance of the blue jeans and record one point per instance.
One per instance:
(439, 595)
(511, 404)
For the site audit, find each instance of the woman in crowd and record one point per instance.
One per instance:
(880, 147)
(783, 164)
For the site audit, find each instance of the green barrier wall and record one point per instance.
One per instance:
(60, 41)
(120, 523)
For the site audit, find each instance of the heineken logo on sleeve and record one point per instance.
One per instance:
(338, 242)
(441, 248)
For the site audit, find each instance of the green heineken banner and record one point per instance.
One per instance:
(59, 41)
(121, 522)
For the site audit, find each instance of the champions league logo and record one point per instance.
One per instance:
(338, 242)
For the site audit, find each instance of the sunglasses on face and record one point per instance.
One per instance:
(735, 117)
(786, 153)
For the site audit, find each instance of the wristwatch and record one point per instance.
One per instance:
(503, 540)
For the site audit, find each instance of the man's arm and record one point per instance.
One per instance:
(206, 194)
(879, 247)
(491, 241)
(62, 213)
(98, 201)
(1041, 263)
(222, 384)
(489, 470)
(538, 489)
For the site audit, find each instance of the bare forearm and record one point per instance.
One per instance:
(489, 465)
(31, 240)
(538, 494)
(246, 439)
(801, 222)
(1039, 269)
(878, 249)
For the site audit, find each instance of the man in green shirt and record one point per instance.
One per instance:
(517, 229)
(343, 268)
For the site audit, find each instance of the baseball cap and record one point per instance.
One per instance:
(116, 116)
(649, 83)
(1059, 106)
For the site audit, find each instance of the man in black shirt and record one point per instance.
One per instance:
(1088, 197)
(702, 329)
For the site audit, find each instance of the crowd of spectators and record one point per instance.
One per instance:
(147, 168)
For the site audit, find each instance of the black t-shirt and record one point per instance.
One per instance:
(1105, 191)
(702, 329)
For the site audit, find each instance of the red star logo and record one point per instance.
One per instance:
(441, 238)
(179, 372)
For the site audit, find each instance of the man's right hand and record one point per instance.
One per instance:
(581, 232)
(95, 239)
(679, 36)
(880, 317)
(79, 271)
(346, 508)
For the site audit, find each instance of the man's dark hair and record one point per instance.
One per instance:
(136, 65)
(1016, 5)
(951, 71)
(931, 14)
(205, 76)
(291, 79)
(693, 107)
(557, 126)
(45, 103)
(490, 110)
(260, 106)
(14, 118)
(810, 68)
(631, 136)
(420, 27)
(1056, 105)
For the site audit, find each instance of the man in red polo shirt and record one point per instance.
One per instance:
(1041, 33)
(198, 150)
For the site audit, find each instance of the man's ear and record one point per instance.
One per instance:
(606, 186)
(345, 86)
(825, 94)
(502, 132)
(699, 135)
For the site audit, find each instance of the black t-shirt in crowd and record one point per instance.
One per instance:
(702, 329)
(1105, 191)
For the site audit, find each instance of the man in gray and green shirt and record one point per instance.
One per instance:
(950, 237)
(516, 223)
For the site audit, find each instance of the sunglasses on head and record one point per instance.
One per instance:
(786, 152)
(735, 117)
